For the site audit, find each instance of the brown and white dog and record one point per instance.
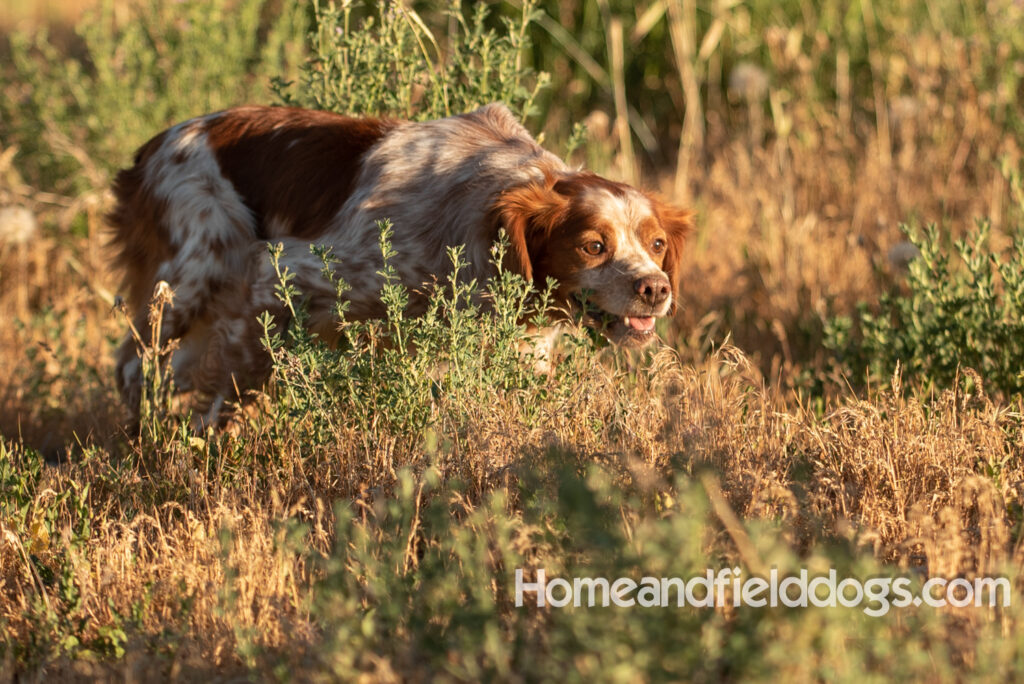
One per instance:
(206, 196)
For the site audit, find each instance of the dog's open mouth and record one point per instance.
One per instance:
(632, 329)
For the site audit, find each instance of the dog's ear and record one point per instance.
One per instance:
(678, 224)
(529, 214)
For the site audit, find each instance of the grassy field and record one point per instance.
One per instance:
(836, 392)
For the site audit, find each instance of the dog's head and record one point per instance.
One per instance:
(614, 250)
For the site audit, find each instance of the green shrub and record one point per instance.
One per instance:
(391, 63)
(36, 520)
(965, 313)
(404, 374)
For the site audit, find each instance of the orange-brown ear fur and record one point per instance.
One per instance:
(678, 224)
(529, 214)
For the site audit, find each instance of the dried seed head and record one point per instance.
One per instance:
(18, 225)
(163, 294)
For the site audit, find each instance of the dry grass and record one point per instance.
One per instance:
(803, 224)
(193, 532)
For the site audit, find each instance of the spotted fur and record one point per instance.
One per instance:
(205, 197)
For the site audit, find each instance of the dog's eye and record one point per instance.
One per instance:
(593, 248)
(658, 246)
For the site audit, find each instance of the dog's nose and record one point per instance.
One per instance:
(653, 290)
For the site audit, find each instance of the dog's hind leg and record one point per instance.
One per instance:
(179, 221)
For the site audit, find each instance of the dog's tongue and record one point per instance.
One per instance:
(640, 324)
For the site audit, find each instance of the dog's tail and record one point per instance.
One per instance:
(138, 232)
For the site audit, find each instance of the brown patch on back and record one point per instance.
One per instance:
(291, 162)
